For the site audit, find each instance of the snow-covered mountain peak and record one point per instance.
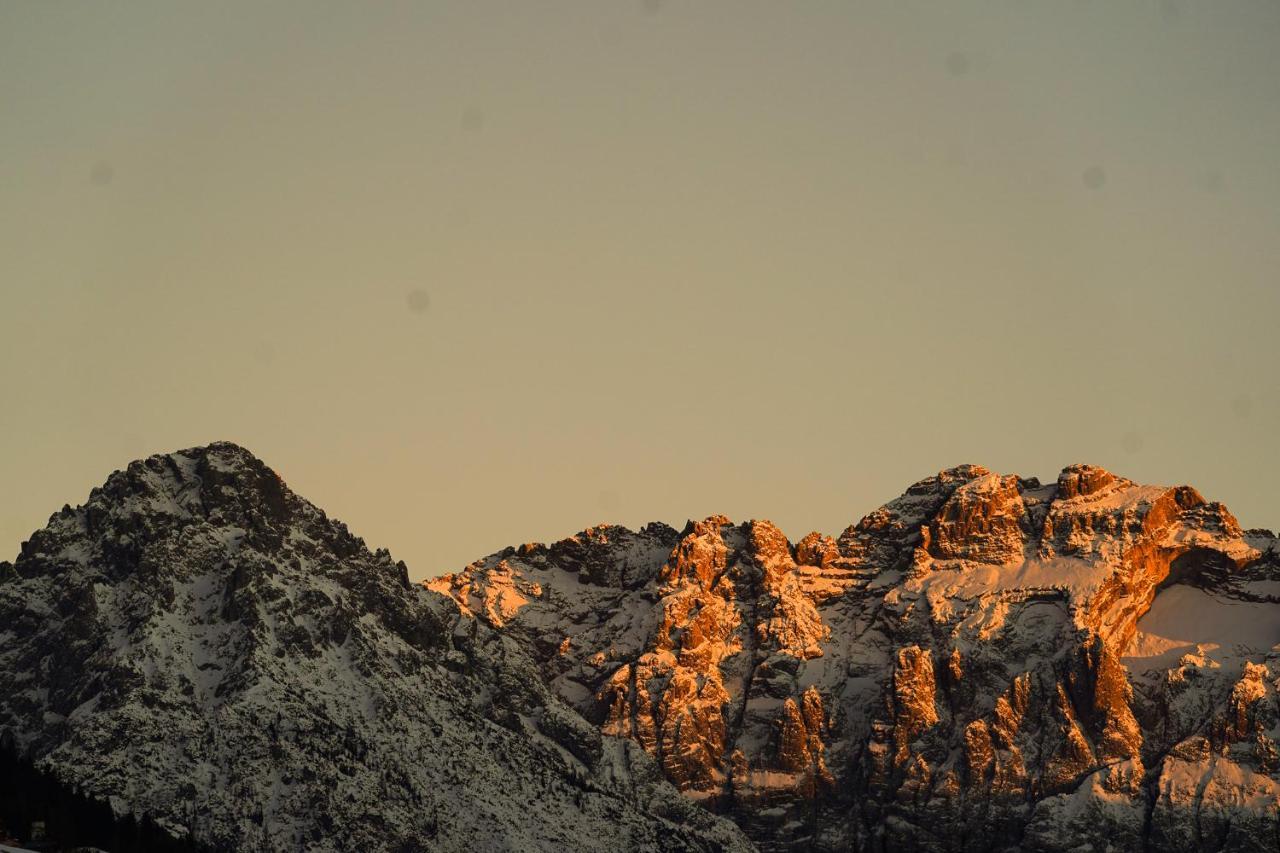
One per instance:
(199, 644)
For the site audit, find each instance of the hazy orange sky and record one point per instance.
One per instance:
(472, 274)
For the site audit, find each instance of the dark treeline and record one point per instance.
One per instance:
(71, 819)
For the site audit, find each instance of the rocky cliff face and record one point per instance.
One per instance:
(984, 663)
(198, 644)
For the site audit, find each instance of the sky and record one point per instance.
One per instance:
(471, 274)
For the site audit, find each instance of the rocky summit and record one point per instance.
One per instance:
(986, 663)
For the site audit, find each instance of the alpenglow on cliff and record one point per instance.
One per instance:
(985, 663)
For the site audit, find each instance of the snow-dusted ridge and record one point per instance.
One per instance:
(199, 644)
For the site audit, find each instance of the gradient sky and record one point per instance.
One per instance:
(473, 274)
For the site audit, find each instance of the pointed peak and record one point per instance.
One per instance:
(967, 471)
(947, 479)
(816, 549)
(763, 526)
(224, 455)
(220, 459)
(710, 524)
(204, 480)
(766, 539)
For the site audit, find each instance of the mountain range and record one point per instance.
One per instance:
(985, 663)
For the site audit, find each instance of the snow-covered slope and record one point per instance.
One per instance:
(199, 644)
(984, 663)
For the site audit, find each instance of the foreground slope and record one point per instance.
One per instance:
(984, 663)
(198, 644)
